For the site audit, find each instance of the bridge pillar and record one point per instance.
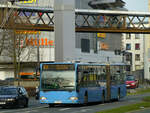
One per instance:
(64, 28)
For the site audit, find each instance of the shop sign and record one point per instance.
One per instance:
(101, 35)
(28, 2)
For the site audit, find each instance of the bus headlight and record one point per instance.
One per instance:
(73, 98)
(43, 98)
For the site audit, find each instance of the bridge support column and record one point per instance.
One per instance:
(64, 18)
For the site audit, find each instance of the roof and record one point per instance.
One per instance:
(101, 64)
(106, 4)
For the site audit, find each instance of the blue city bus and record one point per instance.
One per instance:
(78, 83)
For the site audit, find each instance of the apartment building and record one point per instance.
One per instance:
(134, 44)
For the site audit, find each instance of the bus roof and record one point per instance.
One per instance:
(101, 64)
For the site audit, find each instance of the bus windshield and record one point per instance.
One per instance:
(58, 80)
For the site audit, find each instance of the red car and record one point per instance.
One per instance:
(131, 82)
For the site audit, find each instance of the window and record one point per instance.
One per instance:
(137, 67)
(137, 57)
(128, 68)
(128, 57)
(90, 75)
(117, 74)
(85, 45)
(128, 46)
(128, 36)
(137, 46)
(137, 36)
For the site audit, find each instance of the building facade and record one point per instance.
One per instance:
(138, 45)
(89, 47)
(134, 44)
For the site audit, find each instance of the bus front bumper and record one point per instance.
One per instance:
(73, 100)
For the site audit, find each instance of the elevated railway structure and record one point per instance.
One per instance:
(42, 19)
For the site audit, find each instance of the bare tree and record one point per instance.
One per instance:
(13, 45)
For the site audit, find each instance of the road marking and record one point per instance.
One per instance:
(30, 111)
(64, 109)
(85, 110)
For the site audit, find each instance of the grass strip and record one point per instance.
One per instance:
(125, 109)
(139, 91)
(146, 99)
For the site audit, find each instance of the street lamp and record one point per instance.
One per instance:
(38, 53)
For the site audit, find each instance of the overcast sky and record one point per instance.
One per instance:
(136, 5)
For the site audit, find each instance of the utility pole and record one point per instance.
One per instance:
(108, 82)
(38, 53)
(14, 56)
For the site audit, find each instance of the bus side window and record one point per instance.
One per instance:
(122, 74)
(82, 76)
(101, 73)
(85, 78)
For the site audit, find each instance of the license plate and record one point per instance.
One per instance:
(2, 103)
(58, 102)
(127, 85)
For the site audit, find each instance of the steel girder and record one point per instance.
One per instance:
(42, 19)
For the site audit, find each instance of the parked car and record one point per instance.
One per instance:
(131, 82)
(13, 96)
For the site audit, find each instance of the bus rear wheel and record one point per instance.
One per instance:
(51, 105)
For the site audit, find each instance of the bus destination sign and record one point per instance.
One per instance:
(58, 67)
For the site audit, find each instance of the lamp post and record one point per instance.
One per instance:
(38, 54)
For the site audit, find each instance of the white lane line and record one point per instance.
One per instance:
(85, 110)
(30, 111)
(64, 109)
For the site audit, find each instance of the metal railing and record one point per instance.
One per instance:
(29, 18)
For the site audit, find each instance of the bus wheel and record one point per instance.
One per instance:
(85, 99)
(51, 105)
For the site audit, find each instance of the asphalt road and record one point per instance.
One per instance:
(35, 107)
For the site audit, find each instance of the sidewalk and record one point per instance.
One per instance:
(34, 102)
